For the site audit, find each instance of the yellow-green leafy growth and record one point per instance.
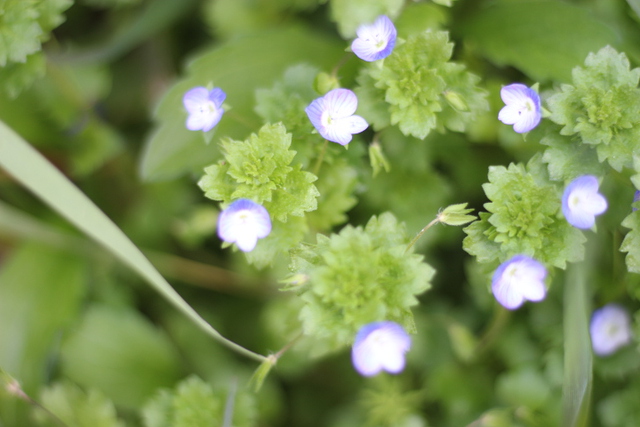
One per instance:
(358, 276)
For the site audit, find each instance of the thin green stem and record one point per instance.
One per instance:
(424, 230)
(493, 331)
(287, 346)
(316, 168)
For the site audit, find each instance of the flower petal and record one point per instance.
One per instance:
(194, 98)
(378, 346)
(341, 103)
(610, 329)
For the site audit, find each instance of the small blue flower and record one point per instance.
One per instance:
(204, 107)
(243, 223)
(610, 329)
(333, 116)
(518, 279)
(380, 346)
(636, 197)
(581, 202)
(522, 109)
(375, 41)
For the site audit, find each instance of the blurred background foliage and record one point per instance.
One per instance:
(94, 84)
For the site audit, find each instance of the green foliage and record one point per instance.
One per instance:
(343, 293)
(416, 79)
(24, 26)
(524, 219)
(545, 39)
(239, 67)
(259, 169)
(602, 107)
(350, 14)
(76, 408)
(195, 403)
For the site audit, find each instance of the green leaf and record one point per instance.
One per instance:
(41, 293)
(350, 14)
(116, 346)
(578, 359)
(76, 408)
(33, 171)
(239, 67)
(568, 158)
(545, 39)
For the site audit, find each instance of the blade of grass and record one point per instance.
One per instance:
(578, 358)
(32, 170)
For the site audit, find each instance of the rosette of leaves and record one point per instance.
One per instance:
(24, 26)
(358, 276)
(602, 107)
(195, 403)
(260, 169)
(524, 217)
(424, 90)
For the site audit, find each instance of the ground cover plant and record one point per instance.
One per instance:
(319, 213)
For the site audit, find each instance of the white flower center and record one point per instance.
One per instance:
(526, 107)
(207, 108)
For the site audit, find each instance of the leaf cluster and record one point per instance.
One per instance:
(523, 218)
(24, 26)
(602, 107)
(424, 90)
(358, 276)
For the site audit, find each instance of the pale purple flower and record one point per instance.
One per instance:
(333, 116)
(375, 41)
(204, 107)
(610, 329)
(522, 109)
(636, 197)
(380, 346)
(581, 202)
(518, 279)
(243, 223)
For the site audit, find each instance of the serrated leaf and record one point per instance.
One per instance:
(545, 39)
(631, 242)
(239, 67)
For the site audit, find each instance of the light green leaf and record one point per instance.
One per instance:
(545, 39)
(33, 171)
(121, 353)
